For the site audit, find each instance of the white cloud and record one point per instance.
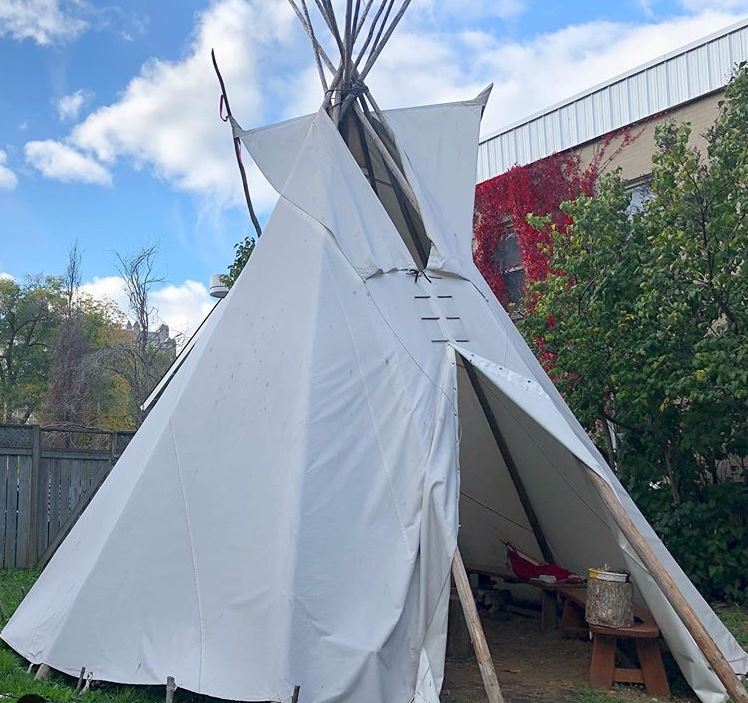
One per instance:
(69, 106)
(182, 307)
(64, 163)
(107, 288)
(43, 21)
(7, 276)
(165, 118)
(420, 66)
(646, 7)
(8, 179)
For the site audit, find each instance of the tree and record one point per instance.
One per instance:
(69, 387)
(243, 251)
(68, 359)
(141, 355)
(642, 321)
(29, 314)
(80, 390)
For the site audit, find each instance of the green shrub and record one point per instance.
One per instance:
(709, 539)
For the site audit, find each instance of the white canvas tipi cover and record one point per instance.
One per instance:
(288, 513)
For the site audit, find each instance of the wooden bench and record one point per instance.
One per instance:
(493, 572)
(603, 670)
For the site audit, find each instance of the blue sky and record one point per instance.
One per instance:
(109, 131)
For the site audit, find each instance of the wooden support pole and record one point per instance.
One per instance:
(377, 48)
(42, 672)
(319, 54)
(347, 40)
(171, 686)
(510, 465)
(370, 34)
(237, 150)
(81, 680)
(367, 156)
(389, 5)
(362, 19)
(478, 638)
(295, 694)
(402, 181)
(670, 590)
(87, 685)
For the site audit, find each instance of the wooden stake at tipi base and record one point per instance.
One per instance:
(171, 686)
(42, 672)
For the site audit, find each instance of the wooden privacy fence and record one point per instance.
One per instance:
(47, 477)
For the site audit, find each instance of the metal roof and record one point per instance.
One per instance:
(687, 73)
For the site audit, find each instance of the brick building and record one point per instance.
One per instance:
(684, 85)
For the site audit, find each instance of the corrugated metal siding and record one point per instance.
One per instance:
(676, 78)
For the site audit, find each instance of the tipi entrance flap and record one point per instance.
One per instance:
(568, 510)
(530, 396)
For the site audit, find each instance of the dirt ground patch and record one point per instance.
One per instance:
(531, 667)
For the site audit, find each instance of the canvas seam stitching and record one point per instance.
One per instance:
(192, 554)
(382, 316)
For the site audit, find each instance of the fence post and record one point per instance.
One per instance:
(34, 498)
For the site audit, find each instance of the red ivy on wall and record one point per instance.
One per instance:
(503, 203)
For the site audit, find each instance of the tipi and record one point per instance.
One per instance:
(359, 405)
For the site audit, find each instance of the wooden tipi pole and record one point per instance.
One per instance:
(512, 469)
(477, 637)
(237, 149)
(670, 590)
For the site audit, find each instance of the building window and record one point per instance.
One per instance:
(515, 284)
(508, 260)
(640, 191)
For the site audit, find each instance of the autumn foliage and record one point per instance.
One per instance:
(503, 203)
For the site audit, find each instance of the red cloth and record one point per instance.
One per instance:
(526, 569)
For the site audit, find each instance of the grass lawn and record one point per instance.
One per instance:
(15, 681)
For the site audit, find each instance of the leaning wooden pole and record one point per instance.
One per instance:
(388, 160)
(506, 455)
(670, 589)
(237, 150)
(478, 638)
